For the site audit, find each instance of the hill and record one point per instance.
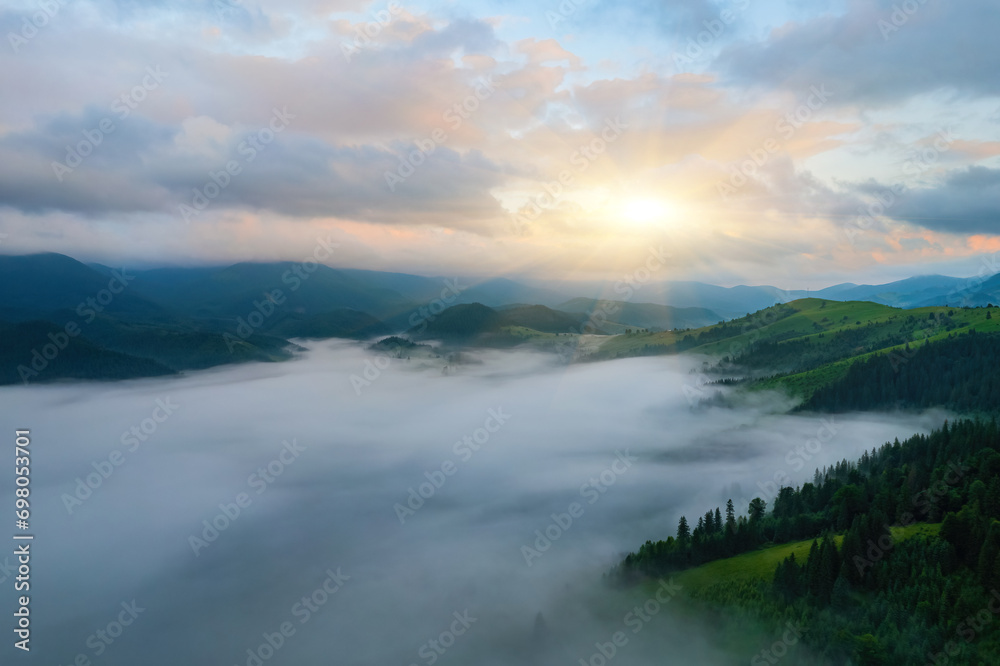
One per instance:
(36, 286)
(640, 315)
(809, 343)
(957, 373)
(235, 290)
(464, 322)
(543, 319)
(341, 323)
(39, 351)
(759, 565)
(917, 556)
(477, 324)
(801, 319)
(492, 292)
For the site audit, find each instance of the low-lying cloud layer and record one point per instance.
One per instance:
(428, 505)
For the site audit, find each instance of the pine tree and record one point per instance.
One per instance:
(683, 531)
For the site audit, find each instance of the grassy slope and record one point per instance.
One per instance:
(760, 564)
(809, 320)
(805, 383)
(808, 314)
(740, 636)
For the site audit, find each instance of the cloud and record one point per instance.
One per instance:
(547, 50)
(363, 107)
(865, 62)
(333, 505)
(965, 201)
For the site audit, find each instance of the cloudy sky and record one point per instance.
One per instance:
(797, 143)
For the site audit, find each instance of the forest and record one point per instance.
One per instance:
(865, 593)
(957, 373)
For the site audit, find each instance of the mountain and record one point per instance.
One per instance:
(465, 323)
(546, 320)
(48, 282)
(501, 291)
(722, 302)
(972, 292)
(476, 323)
(39, 351)
(185, 345)
(109, 329)
(237, 290)
(38, 285)
(733, 302)
(641, 315)
(491, 292)
(908, 293)
(342, 323)
(173, 319)
(727, 301)
(808, 342)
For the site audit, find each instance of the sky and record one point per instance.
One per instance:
(800, 143)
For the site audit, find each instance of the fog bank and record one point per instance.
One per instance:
(414, 503)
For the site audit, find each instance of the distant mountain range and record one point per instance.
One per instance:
(149, 322)
(918, 292)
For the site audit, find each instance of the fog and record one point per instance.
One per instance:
(501, 442)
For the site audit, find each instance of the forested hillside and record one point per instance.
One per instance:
(874, 598)
(958, 373)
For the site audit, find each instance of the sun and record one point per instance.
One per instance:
(646, 211)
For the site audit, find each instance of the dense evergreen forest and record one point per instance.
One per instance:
(864, 594)
(957, 373)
